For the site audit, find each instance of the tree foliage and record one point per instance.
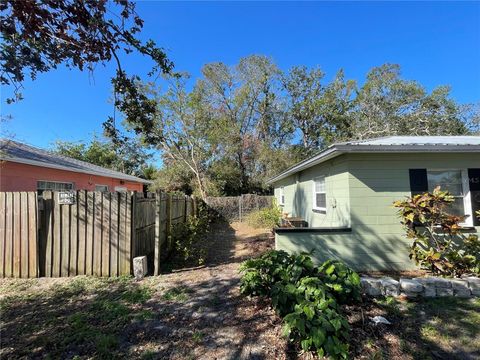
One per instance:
(131, 158)
(238, 125)
(38, 36)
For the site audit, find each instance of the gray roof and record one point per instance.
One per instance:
(417, 140)
(22, 153)
(389, 144)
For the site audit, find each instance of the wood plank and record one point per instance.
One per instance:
(9, 235)
(82, 233)
(114, 250)
(3, 232)
(106, 234)
(57, 236)
(72, 266)
(24, 243)
(122, 239)
(168, 219)
(48, 219)
(65, 211)
(90, 217)
(32, 234)
(128, 235)
(17, 235)
(134, 218)
(97, 246)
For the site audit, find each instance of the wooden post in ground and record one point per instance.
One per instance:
(133, 241)
(169, 222)
(194, 206)
(158, 204)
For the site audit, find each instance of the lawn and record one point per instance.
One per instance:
(440, 328)
(200, 313)
(88, 317)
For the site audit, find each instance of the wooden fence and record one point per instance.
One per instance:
(99, 234)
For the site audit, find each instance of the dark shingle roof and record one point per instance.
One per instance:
(18, 152)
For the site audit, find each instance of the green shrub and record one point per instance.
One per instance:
(265, 218)
(342, 281)
(306, 296)
(438, 244)
(188, 238)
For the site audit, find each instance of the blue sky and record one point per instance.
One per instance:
(435, 43)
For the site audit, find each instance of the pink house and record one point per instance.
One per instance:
(26, 168)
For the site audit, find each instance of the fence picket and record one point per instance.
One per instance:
(23, 235)
(3, 232)
(33, 246)
(106, 210)
(99, 234)
(82, 234)
(114, 235)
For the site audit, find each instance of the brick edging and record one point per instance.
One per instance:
(421, 287)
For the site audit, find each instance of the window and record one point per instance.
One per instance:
(53, 185)
(319, 194)
(281, 196)
(120, 189)
(456, 182)
(102, 188)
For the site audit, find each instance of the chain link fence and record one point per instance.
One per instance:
(236, 208)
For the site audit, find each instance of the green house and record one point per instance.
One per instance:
(344, 195)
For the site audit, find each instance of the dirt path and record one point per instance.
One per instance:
(205, 316)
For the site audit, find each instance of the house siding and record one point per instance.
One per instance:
(23, 177)
(365, 186)
(298, 190)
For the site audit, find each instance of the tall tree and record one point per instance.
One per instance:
(388, 105)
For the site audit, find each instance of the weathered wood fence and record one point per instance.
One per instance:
(99, 234)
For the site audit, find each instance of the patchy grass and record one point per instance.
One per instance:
(82, 317)
(179, 293)
(428, 328)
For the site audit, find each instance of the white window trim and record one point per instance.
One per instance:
(467, 203)
(57, 182)
(281, 196)
(314, 193)
(101, 185)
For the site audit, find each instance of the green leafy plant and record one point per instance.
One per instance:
(306, 296)
(438, 242)
(267, 218)
(188, 238)
(342, 281)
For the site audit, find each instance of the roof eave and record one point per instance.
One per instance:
(342, 148)
(59, 167)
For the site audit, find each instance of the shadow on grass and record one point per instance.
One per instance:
(100, 318)
(442, 328)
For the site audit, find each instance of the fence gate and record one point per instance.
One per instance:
(90, 237)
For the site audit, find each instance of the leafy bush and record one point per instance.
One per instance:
(438, 243)
(188, 238)
(342, 281)
(265, 218)
(306, 296)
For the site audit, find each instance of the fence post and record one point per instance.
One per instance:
(133, 242)
(185, 210)
(158, 202)
(169, 222)
(240, 208)
(194, 206)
